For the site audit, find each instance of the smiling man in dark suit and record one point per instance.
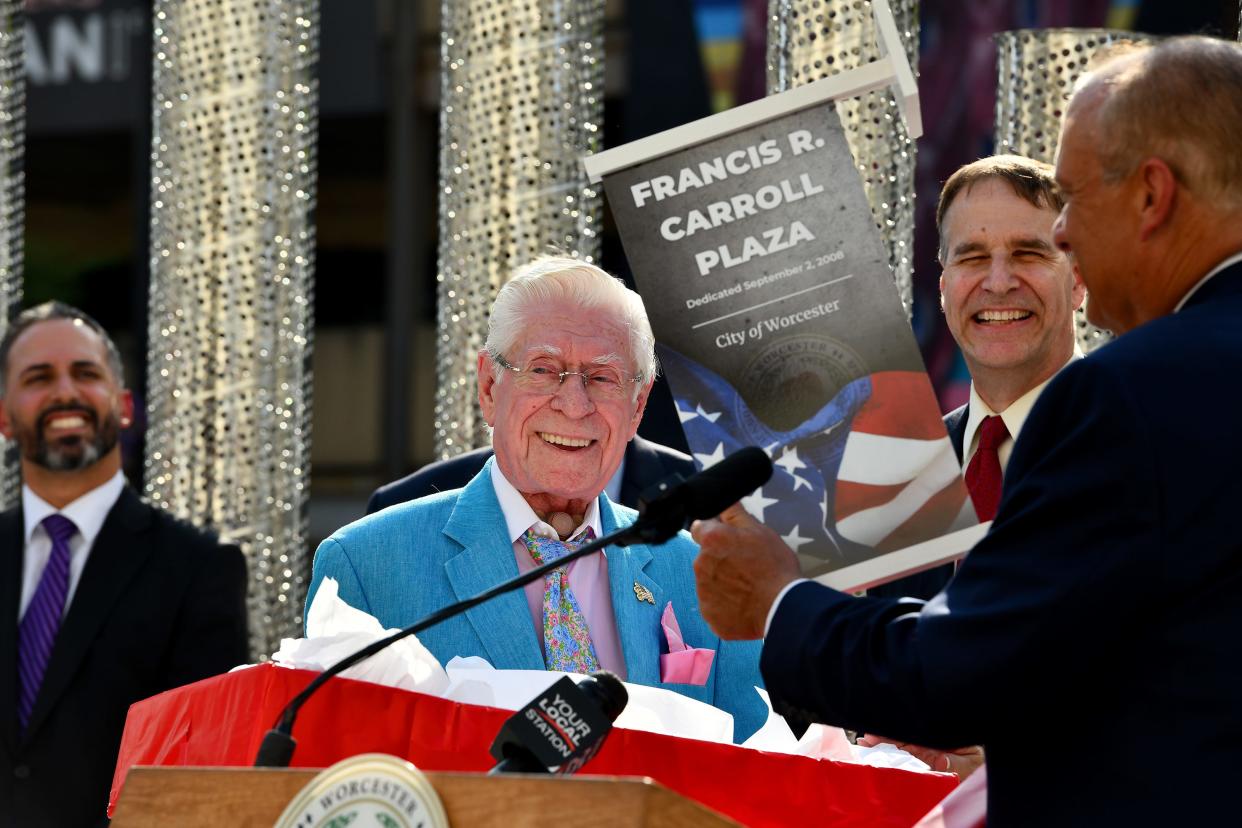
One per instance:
(104, 600)
(1101, 612)
(1009, 297)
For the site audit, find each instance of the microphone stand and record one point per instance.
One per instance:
(278, 744)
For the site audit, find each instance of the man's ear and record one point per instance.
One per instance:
(1078, 293)
(1158, 192)
(6, 426)
(487, 384)
(127, 407)
(640, 408)
(942, 291)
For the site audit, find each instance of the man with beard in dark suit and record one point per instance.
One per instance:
(104, 600)
(1104, 604)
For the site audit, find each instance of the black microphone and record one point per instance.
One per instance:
(670, 509)
(563, 728)
(671, 505)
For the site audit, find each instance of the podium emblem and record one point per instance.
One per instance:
(372, 789)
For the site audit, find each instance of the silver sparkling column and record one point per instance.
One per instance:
(1037, 71)
(522, 98)
(232, 241)
(813, 39)
(12, 198)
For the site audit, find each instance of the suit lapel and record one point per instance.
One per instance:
(638, 621)
(955, 421)
(116, 557)
(12, 547)
(503, 624)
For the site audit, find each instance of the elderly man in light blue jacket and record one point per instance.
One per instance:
(563, 380)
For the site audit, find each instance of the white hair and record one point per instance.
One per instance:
(552, 278)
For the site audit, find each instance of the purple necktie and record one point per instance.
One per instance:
(37, 632)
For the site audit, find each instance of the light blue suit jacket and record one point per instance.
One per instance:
(407, 561)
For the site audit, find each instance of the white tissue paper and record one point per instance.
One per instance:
(334, 629)
(885, 755)
(474, 681)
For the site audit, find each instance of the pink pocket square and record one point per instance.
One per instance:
(682, 664)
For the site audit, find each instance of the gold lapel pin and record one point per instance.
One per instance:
(643, 594)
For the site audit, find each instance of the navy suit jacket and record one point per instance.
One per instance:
(159, 604)
(1095, 629)
(401, 564)
(646, 463)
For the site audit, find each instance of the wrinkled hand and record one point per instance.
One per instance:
(962, 761)
(741, 568)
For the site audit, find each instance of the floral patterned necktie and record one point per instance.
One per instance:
(566, 639)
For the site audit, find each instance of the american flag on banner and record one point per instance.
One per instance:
(870, 472)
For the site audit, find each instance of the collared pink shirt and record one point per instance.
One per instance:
(588, 577)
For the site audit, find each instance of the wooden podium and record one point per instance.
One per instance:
(154, 797)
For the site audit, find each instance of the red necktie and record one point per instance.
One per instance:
(983, 475)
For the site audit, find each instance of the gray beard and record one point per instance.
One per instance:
(80, 455)
(57, 458)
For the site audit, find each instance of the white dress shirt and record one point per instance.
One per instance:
(1014, 416)
(588, 577)
(87, 513)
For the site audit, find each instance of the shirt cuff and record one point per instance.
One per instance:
(777, 602)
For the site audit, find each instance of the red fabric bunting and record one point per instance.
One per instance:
(220, 721)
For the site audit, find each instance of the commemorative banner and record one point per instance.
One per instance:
(779, 325)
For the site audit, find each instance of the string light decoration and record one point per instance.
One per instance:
(232, 241)
(522, 98)
(1037, 70)
(12, 200)
(813, 39)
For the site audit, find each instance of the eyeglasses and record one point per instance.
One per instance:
(545, 376)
